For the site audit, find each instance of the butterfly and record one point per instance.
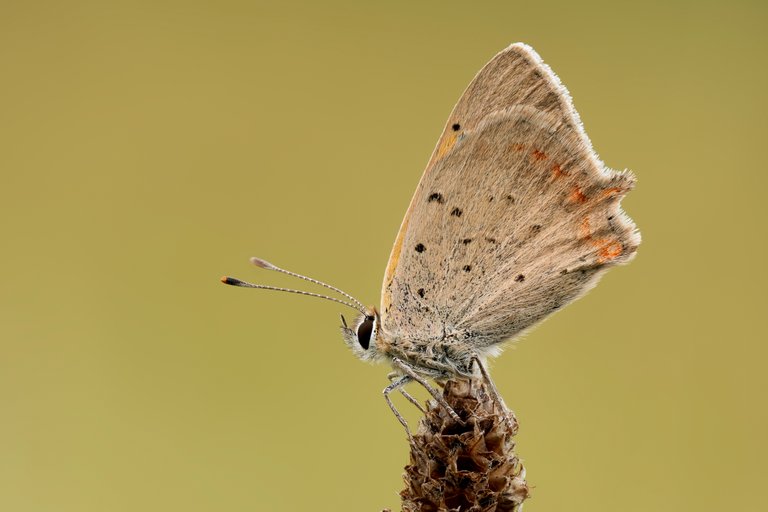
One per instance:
(515, 216)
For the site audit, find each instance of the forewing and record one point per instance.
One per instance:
(515, 76)
(513, 217)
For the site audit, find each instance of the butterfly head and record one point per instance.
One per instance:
(362, 334)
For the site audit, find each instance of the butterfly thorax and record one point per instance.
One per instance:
(437, 358)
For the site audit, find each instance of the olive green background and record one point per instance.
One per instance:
(146, 148)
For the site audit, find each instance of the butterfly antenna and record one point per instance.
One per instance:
(237, 282)
(267, 265)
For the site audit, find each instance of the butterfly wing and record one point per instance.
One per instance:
(514, 216)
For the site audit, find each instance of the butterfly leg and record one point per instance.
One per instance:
(407, 396)
(398, 384)
(405, 367)
(495, 396)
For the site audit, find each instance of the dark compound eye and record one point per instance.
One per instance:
(364, 332)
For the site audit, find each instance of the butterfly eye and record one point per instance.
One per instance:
(364, 332)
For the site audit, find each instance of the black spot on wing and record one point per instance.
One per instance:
(456, 127)
(436, 196)
(420, 247)
(456, 212)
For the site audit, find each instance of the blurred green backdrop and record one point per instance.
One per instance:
(146, 148)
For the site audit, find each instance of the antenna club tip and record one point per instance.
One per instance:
(226, 280)
(262, 263)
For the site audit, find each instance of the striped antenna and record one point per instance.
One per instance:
(268, 266)
(243, 284)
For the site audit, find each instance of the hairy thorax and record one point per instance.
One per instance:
(438, 359)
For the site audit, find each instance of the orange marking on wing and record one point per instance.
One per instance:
(394, 258)
(577, 196)
(608, 250)
(611, 192)
(538, 155)
(558, 172)
(585, 231)
(448, 142)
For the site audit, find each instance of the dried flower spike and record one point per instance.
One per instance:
(467, 468)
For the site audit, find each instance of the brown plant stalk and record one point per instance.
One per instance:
(471, 467)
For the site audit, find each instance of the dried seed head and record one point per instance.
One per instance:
(470, 467)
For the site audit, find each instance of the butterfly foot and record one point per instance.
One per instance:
(509, 416)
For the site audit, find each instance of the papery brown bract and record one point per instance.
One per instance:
(464, 467)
